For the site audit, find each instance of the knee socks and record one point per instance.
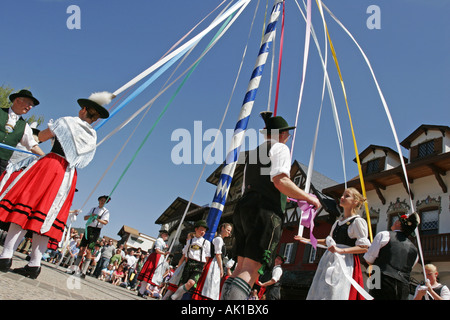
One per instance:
(38, 248)
(226, 288)
(13, 238)
(238, 290)
(179, 293)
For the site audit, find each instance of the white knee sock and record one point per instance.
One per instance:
(38, 248)
(179, 293)
(143, 287)
(12, 240)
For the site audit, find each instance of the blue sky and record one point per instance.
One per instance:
(120, 39)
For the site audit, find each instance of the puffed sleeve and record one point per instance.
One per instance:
(218, 243)
(359, 231)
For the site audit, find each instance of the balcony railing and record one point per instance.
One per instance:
(435, 247)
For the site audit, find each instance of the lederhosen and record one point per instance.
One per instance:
(259, 213)
(93, 233)
(395, 267)
(193, 268)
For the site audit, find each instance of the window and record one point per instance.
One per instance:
(392, 218)
(429, 222)
(373, 166)
(312, 255)
(426, 149)
(288, 252)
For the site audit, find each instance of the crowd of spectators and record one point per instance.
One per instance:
(111, 262)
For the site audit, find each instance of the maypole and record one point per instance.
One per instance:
(227, 173)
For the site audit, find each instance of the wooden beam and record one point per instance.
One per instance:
(402, 178)
(437, 173)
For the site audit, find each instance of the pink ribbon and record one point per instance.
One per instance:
(307, 218)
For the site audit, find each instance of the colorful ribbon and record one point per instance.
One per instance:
(88, 222)
(219, 34)
(229, 167)
(307, 218)
(187, 45)
(358, 161)
(279, 64)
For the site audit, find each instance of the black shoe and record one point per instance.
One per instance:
(5, 265)
(29, 272)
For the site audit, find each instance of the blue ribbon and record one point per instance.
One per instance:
(139, 90)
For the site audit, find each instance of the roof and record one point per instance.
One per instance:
(430, 166)
(424, 128)
(127, 229)
(374, 147)
(176, 210)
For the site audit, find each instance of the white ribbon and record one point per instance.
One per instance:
(339, 263)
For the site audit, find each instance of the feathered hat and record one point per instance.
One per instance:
(97, 101)
(409, 223)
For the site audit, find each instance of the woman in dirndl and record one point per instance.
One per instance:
(154, 267)
(40, 197)
(347, 239)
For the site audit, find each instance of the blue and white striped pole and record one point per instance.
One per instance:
(226, 177)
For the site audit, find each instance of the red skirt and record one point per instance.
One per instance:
(357, 276)
(29, 200)
(149, 267)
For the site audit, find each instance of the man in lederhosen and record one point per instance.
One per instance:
(259, 213)
(96, 219)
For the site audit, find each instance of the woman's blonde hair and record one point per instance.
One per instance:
(358, 197)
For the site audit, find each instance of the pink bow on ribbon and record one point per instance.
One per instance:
(307, 218)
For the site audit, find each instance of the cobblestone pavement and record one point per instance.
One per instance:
(54, 283)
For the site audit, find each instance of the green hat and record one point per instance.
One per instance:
(201, 223)
(275, 123)
(25, 94)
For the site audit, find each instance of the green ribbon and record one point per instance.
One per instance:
(88, 222)
(168, 104)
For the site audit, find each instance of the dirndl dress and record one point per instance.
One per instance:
(330, 282)
(39, 197)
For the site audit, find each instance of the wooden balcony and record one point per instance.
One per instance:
(435, 247)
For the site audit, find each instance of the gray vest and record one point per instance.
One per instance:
(397, 258)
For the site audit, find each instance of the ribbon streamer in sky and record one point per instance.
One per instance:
(187, 45)
(227, 173)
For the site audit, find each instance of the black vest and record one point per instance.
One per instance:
(10, 139)
(340, 234)
(438, 291)
(397, 258)
(257, 179)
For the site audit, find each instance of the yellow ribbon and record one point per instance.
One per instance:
(353, 133)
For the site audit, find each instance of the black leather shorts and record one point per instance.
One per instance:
(257, 228)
